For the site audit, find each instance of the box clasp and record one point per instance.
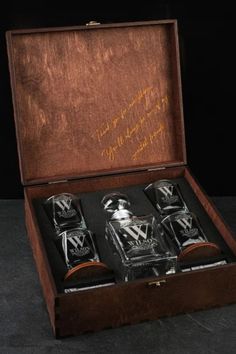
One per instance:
(157, 283)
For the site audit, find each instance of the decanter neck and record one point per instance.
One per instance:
(122, 214)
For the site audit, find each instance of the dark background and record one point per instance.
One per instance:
(206, 34)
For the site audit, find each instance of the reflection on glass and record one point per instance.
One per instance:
(188, 236)
(165, 196)
(139, 242)
(79, 251)
(74, 241)
(65, 212)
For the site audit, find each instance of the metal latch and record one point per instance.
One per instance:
(93, 23)
(156, 283)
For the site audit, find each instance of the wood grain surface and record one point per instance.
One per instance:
(95, 101)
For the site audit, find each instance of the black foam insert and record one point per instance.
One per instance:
(95, 219)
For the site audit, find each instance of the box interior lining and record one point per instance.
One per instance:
(95, 219)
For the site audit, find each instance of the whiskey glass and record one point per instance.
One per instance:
(74, 241)
(80, 253)
(188, 236)
(166, 196)
(64, 211)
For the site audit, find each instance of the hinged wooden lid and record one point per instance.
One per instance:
(96, 100)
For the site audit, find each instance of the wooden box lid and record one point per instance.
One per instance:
(95, 100)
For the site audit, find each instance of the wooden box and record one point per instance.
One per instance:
(99, 107)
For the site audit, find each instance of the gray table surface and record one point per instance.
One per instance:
(24, 322)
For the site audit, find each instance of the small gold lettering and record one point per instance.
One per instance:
(110, 152)
(146, 141)
(113, 123)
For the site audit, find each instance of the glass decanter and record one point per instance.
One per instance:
(139, 241)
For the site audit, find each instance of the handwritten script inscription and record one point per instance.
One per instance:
(114, 121)
(132, 133)
(147, 141)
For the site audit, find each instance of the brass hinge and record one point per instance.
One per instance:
(61, 181)
(93, 23)
(156, 169)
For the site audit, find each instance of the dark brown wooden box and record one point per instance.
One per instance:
(100, 107)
